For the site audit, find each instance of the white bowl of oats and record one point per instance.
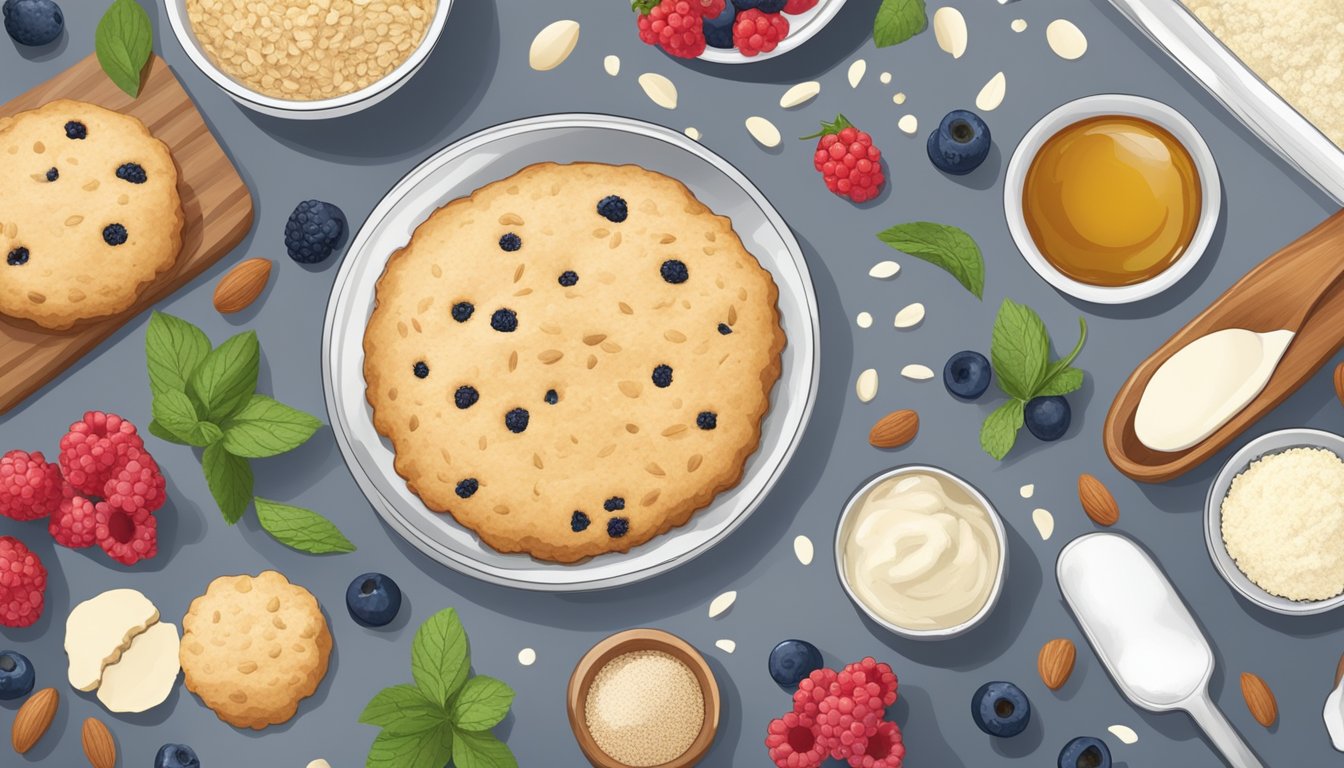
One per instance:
(308, 59)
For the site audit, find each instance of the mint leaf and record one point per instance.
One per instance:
(230, 481)
(301, 529)
(265, 427)
(941, 245)
(1060, 365)
(483, 702)
(403, 709)
(440, 657)
(1062, 383)
(898, 21)
(999, 432)
(227, 377)
(481, 750)
(1019, 350)
(158, 430)
(173, 349)
(123, 41)
(432, 749)
(176, 414)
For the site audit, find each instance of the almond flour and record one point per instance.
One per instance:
(645, 708)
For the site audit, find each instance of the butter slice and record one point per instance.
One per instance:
(100, 629)
(146, 673)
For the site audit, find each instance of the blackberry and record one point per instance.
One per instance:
(466, 488)
(313, 231)
(613, 208)
(17, 257)
(510, 242)
(551, 397)
(420, 370)
(132, 172)
(53, 174)
(662, 376)
(504, 320)
(462, 311)
(76, 131)
(569, 277)
(579, 522)
(674, 271)
(114, 234)
(617, 527)
(614, 504)
(725, 329)
(707, 420)
(516, 420)
(465, 397)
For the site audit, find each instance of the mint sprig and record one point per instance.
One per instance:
(205, 397)
(1020, 353)
(124, 41)
(943, 246)
(898, 21)
(447, 714)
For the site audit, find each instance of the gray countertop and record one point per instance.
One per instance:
(479, 77)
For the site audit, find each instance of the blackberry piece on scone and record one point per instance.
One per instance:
(313, 231)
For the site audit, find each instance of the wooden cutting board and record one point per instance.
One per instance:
(217, 204)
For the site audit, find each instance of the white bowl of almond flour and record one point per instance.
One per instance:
(1274, 521)
(308, 59)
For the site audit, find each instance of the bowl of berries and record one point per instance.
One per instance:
(731, 31)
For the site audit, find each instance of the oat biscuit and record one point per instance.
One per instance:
(89, 213)
(253, 647)
(573, 360)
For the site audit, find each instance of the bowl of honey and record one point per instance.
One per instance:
(1112, 198)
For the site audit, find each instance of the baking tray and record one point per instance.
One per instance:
(496, 153)
(1176, 29)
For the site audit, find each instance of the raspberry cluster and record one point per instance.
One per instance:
(848, 161)
(684, 28)
(840, 715)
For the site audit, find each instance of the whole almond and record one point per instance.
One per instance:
(1339, 382)
(894, 430)
(34, 718)
(1055, 662)
(1098, 503)
(99, 746)
(242, 285)
(1259, 699)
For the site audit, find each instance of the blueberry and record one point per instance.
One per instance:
(707, 420)
(467, 488)
(373, 599)
(462, 311)
(420, 370)
(725, 329)
(719, 30)
(579, 522)
(504, 320)
(960, 143)
(792, 661)
(53, 174)
(510, 242)
(465, 397)
(132, 172)
(569, 277)
(176, 756)
(76, 131)
(1085, 752)
(662, 376)
(16, 675)
(614, 504)
(613, 209)
(33, 22)
(967, 375)
(764, 6)
(617, 527)
(1001, 709)
(551, 397)
(674, 271)
(313, 231)
(114, 234)
(17, 257)
(516, 420)
(1048, 417)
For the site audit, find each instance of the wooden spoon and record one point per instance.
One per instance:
(1297, 289)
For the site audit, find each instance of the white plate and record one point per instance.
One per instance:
(802, 28)
(494, 154)
(1098, 106)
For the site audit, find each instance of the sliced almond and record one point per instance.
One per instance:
(908, 124)
(910, 316)
(1259, 699)
(1066, 39)
(721, 604)
(725, 645)
(553, 44)
(884, 78)
(34, 718)
(1027, 491)
(991, 96)
(949, 28)
(898, 98)
(241, 286)
(1055, 662)
(856, 72)
(1044, 522)
(527, 657)
(800, 94)
(803, 550)
(884, 270)
(866, 385)
(659, 89)
(916, 372)
(1019, 25)
(1098, 503)
(763, 131)
(611, 64)
(99, 746)
(864, 320)
(693, 133)
(1124, 733)
(894, 430)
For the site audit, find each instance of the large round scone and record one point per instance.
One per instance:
(253, 647)
(573, 360)
(89, 213)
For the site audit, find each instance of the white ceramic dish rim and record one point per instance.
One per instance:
(1267, 444)
(1000, 533)
(659, 555)
(802, 28)
(341, 105)
(1098, 106)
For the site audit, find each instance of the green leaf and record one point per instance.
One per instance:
(943, 246)
(483, 702)
(227, 377)
(1019, 350)
(173, 349)
(440, 656)
(1062, 383)
(123, 42)
(300, 528)
(176, 414)
(230, 481)
(481, 750)
(403, 709)
(158, 430)
(898, 21)
(999, 432)
(431, 749)
(265, 427)
(1060, 365)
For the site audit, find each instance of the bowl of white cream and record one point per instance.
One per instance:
(922, 552)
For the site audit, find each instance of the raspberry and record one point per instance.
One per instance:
(136, 484)
(30, 487)
(73, 524)
(94, 447)
(847, 159)
(883, 750)
(870, 671)
(23, 584)
(813, 690)
(794, 742)
(711, 9)
(846, 721)
(127, 537)
(677, 26)
(796, 7)
(755, 32)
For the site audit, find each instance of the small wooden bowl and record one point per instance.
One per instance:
(629, 642)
